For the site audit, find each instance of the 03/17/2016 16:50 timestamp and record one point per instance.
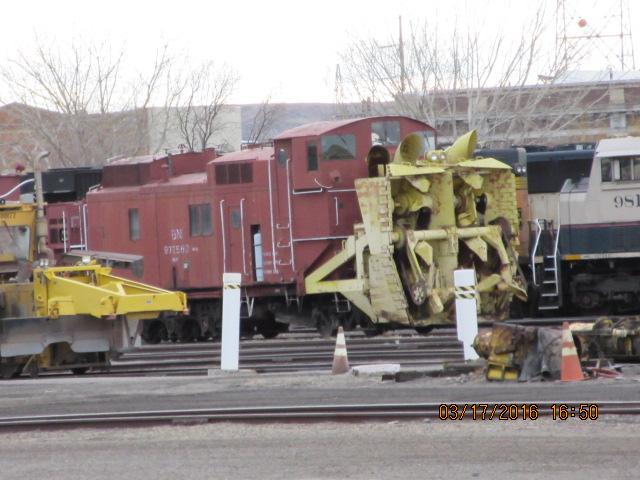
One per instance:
(517, 411)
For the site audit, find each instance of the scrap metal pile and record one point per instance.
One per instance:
(515, 352)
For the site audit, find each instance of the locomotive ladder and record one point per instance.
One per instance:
(549, 284)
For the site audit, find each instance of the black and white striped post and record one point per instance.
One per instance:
(466, 310)
(230, 348)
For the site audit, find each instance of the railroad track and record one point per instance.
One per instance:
(293, 413)
(303, 349)
(290, 354)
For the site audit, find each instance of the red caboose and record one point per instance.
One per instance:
(270, 213)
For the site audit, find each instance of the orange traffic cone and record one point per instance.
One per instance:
(340, 360)
(570, 369)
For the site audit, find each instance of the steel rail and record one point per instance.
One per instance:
(299, 413)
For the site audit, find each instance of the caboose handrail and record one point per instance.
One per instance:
(322, 190)
(273, 241)
(224, 241)
(26, 182)
(293, 261)
(244, 256)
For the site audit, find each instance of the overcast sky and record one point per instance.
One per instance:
(290, 48)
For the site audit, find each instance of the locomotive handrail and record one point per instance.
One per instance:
(557, 239)
(536, 243)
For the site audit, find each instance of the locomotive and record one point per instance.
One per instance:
(585, 248)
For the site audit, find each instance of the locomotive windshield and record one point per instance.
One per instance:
(14, 242)
(622, 169)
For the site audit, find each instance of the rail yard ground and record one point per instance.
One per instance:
(422, 448)
(607, 448)
(75, 395)
(185, 444)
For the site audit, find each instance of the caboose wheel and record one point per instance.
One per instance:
(154, 333)
(189, 331)
(10, 370)
(268, 331)
(426, 330)
(32, 370)
(325, 324)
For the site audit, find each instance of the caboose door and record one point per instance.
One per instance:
(236, 255)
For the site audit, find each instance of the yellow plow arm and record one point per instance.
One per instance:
(92, 290)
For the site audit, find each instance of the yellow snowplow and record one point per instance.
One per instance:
(72, 317)
(424, 215)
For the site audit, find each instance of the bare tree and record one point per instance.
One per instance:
(203, 93)
(470, 77)
(264, 121)
(77, 103)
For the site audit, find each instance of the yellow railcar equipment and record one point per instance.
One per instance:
(69, 317)
(424, 216)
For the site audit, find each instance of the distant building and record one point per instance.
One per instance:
(582, 107)
(560, 113)
(92, 139)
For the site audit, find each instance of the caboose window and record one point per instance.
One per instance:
(234, 173)
(338, 147)
(312, 157)
(221, 174)
(429, 138)
(200, 220)
(246, 173)
(236, 218)
(385, 133)
(134, 224)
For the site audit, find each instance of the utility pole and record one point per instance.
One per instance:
(401, 55)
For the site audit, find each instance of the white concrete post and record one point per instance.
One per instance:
(466, 310)
(230, 348)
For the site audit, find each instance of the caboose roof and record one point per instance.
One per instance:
(136, 160)
(320, 128)
(249, 154)
(316, 128)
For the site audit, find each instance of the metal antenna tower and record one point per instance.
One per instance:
(607, 35)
